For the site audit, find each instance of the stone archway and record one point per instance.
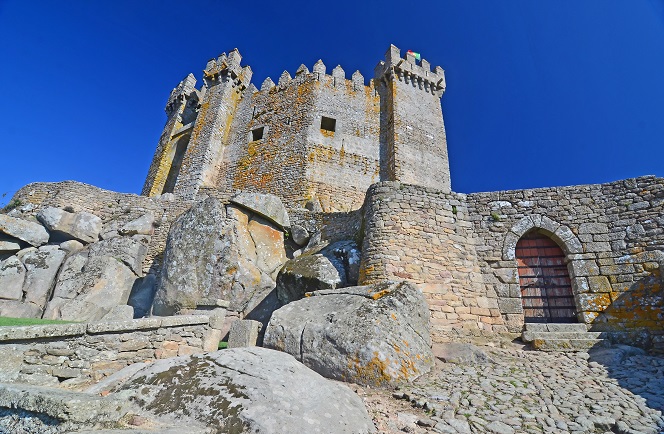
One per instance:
(512, 308)
(545, 285)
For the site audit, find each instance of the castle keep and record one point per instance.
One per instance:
(369, 163)
(314, 138)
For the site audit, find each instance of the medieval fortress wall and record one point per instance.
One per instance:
(461, 250)
(369, 162)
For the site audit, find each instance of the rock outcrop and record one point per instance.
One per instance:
(75, 276)
(373, 335)
(64, 225)
(216, 252)
(29, 232)
(335, 266)
(246, 390)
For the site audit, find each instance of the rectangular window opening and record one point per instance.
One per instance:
(257, 134)
(328, 124)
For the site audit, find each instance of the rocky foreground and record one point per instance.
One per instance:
(513, 390)
(472, 389)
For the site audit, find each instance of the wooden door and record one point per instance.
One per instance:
(546, 290)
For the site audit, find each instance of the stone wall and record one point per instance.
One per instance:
(85, 353)
(294, 157)
(613, 238)
(461, 249)
(424, 235)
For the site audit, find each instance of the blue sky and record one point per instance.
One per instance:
(539, 93)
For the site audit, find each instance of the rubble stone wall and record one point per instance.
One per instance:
(113, 208)
(461, 249)
(89, 352)
(613, 238)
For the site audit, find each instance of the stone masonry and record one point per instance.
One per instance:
(460, 248)
(314, 138)
(78, 354)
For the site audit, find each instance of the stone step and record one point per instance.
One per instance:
(529, 336)
(569, 344)
(557, 327)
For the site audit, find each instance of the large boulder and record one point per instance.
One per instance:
(335, 266)
(65, 225)
(373, 335)
(144, 225)
(130, 251)
(268, 206)
(89, 287)
(246, 390)
(12, 275)
(42, 267)
(218, 253)
(30, 232)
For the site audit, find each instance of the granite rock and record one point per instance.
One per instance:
(30, 232)
(375, 335)
(64, 225)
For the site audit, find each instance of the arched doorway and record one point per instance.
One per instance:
(546, 290)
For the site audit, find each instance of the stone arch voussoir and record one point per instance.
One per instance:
(560, 233)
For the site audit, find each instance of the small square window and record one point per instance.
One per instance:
(257, 134)
(328, 124)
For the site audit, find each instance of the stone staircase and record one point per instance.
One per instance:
(562, 337)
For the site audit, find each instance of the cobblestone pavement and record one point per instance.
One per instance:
(617, 390)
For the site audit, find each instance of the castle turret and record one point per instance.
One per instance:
(224, 82)
(181, 110)
(412, 134)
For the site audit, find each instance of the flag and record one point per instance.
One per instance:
(417, 55)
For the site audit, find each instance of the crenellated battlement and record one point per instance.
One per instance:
(407, 69)
(186, 89)
(318, 73)
(227, 67)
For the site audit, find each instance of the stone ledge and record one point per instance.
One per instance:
(64, 405)
(41, 331)
(121, 326)
(182, 320)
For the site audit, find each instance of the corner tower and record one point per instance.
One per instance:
(191, 148)
(413, 147)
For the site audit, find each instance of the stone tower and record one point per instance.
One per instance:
(413, 147)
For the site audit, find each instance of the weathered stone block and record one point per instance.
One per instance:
(243, 333)
(211, 340)
(65, 225)
(510, 305)
(8, 246)
(584, 268)
(594, 302)
(141, 226)
(66, 372)
(599, 284)
(266, 205)
(593, 228)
